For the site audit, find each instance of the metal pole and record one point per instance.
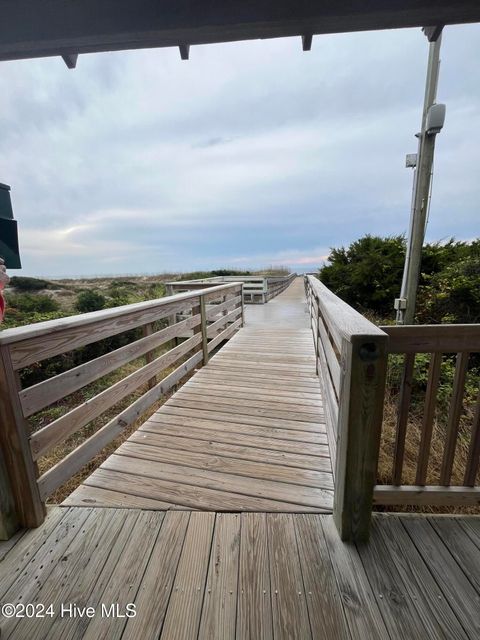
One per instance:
(421, 192)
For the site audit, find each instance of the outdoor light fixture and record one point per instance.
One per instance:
(8, 231)
(435, 119)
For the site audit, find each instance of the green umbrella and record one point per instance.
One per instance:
(8, 231)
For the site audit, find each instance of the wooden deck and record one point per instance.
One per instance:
(246, 433)
(251, 575)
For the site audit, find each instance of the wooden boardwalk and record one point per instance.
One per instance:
(246, 433)
(248, 576)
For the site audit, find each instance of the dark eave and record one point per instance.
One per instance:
(36, 28)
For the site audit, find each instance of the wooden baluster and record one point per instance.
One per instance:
(402, 418)
(148, 330)
(454, 417)
(203, 328)
(17, 460)
(428, 416)
(474, 449)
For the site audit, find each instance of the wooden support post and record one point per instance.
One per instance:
(21, 490)
(8, 515)
(242, 302)
(364, 364)
(203, 325)
(147, 330)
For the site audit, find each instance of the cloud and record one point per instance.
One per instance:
(253, 151)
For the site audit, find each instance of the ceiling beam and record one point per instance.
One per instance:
(29, 28)
(70, 60)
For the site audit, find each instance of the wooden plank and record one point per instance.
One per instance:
(41, 575)
(84, 496)
(229, 482)
(216, 399)
(220, 601)
(229, 450)
(222, 321)
(242, 435)
(433, 610)
(289, 606)
(42, 340)
(454, 584)
(402, 417)
(74, 461)
(305, 421)
(430, 495)
(267, 382)
(224, 335)
(14, 564)
(17, 461)
(152, 598)
(248, 468)
(359, 603)
(180, 408)
(254, 612)
(396, 606)
(428, 416)
(177, 416)
(90, 561)
(442, 338)
(214, 309)
(6, 546)
(182, 619)
(456, 403)
(306, 399)
(44, 393)
(50, 435)
(189, 495)
(460, 545)
(325, 610)
(122, 583)
(473, 460)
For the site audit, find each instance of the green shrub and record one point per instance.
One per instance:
(89, 301)
(28, 303)
(23, 283)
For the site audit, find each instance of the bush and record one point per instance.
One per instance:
(368, 276)
(89, 301)
(22, 283)
(28, 303)
(368, 273)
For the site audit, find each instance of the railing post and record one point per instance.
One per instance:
(203, 324)
(242, 303)
(21, 503)
(363, 362)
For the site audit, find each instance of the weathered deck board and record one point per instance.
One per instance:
(242, 576)
(247, 432)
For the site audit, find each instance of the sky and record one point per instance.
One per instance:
(249, 154)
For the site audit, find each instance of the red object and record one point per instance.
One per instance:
(2, 306)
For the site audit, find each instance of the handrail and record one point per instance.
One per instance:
(208, 316)
(351, 363)
(256, 288)
(436, 340)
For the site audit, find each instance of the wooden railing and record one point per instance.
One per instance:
(351, 362)
(213, 314)
(256, 289)
(441, 342)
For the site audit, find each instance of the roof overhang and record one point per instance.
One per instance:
(37, 28)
